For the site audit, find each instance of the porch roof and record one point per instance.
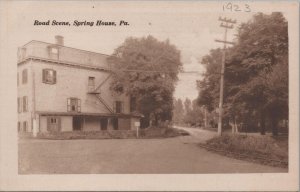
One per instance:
(45, 113)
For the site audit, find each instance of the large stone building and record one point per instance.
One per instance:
(67, 89)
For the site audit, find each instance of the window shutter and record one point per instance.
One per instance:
(68, 104)
(24, 104)
(59, 123)
(48, 123)
(18, 105)
(20, 99)
(24, 78)
(54, 77)
(78, 105)
(44, 75)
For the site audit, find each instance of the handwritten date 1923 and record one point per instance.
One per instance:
(236, 7)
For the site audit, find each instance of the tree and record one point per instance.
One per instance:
(178, 111)
(147, 69)
(187, 105)
(256, 74)
(262, 46)
(195, 115)
(209, 87)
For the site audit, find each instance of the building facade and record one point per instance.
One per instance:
(66, 89)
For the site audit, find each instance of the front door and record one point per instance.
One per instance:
(103, 123)
(77, 123)
(53, 124)
(115, 123)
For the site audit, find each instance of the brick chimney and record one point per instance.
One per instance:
(59, 40)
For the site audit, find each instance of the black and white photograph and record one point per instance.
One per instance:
(120, 90)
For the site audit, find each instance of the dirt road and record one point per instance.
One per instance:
(171, 155)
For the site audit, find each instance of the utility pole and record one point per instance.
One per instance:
(227, 24)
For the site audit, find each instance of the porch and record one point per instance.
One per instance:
(87, 122)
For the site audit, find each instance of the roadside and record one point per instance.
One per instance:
(262, 149)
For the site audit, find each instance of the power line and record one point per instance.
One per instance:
(156, 71)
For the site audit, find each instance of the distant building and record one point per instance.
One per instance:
(66, 89)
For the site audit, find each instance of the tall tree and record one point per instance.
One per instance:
(147, 70)
(178, 111)
(254, 67)
(209, 87)
(187, 105)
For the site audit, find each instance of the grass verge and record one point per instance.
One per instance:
(260, 149)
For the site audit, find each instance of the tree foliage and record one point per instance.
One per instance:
(256, 73)
(147, 70)
(188, 114)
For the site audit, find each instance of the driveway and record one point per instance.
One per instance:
(170, 155)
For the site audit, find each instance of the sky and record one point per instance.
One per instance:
(193, 31)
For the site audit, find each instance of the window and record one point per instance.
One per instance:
(54, 50)
(24, 76)
(25, 126)
(91, 83)
(74, 105)
(118, 107)
(132, 104)
(19, 126)
(25, 104)
(19, 105)
(49, 76)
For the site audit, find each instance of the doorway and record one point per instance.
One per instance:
(115, 123)
(103, 123)
(77, 123)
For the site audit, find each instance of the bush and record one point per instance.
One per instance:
(260, 146)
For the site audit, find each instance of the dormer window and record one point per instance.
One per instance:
(49, 76)
(54, 50)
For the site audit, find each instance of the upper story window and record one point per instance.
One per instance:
(25, 103)
(19, 105)
(54, 50)
(24, 76)
(25, 127)
(132, 104)
(118, 106)
(49, 76)
(91, 83)
(74, 105)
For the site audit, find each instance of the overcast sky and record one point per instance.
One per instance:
(192, 30)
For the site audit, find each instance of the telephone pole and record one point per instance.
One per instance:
(227, 24)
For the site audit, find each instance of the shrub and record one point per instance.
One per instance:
(251, 145)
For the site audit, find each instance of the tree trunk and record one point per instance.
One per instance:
(274, 126)
(262, 123)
